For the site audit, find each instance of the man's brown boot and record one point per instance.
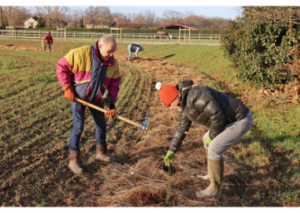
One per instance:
(102, 153)
(73, 164)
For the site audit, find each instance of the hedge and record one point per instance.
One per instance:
(263, 45)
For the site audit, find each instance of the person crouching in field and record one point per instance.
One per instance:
(90, 73)
(227, 118)
(49, 41)
(134, 48)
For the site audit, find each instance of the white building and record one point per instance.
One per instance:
(31, 22)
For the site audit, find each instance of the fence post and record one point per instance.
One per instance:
(40, 34)
(43, 43)
(74, 34)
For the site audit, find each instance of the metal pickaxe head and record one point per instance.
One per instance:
(143, 126)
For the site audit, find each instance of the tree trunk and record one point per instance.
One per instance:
(1, 17)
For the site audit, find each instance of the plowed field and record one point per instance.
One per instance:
(36, 123)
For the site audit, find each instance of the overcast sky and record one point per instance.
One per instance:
(228, 9)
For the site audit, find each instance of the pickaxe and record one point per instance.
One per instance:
(142, 126)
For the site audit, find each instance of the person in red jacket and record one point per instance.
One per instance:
(49, 40)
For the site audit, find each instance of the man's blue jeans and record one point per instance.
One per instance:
(78, 124)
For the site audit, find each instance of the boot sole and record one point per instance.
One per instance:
(76, 173)
(110, 160)
(202, 178)
(217, 196)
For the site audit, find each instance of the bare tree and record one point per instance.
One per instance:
(120, 17)
(91, 15)
(147, 17)
(58, 15)
(14, 15)
(138, 18)
(100, 15)
(1, 17)
(191, 18)
(171, 16)
(104, 15)
(45, 12)
(54, 15)
(75, 17)
(21, 13)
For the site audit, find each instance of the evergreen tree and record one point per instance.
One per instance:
(81, 22)
(40, 23)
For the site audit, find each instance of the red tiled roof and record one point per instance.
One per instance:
(128, 25)
(192, 27)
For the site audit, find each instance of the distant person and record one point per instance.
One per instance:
(134, 48)
(49, 41)
(90, 73)
(227, 118)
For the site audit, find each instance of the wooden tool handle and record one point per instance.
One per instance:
(103, 110)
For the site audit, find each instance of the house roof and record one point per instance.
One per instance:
(126, 25)
(179, 25)
(34, 17)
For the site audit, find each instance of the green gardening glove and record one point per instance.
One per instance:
(169, 158)
(208, 141)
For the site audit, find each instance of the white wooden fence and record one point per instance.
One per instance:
(84, 36)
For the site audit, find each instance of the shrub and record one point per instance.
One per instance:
(263, 44)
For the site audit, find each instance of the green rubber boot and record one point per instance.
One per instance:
(215, 172)
(205, 177)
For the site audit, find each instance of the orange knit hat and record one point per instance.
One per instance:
(167, 93)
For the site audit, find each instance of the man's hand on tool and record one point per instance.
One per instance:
(169, 158)
(69, 93)
(111, 113)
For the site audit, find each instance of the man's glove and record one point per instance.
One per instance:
(107, 100)
(69, 93)
(208, 141)
(111, 113)
(169, 158)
